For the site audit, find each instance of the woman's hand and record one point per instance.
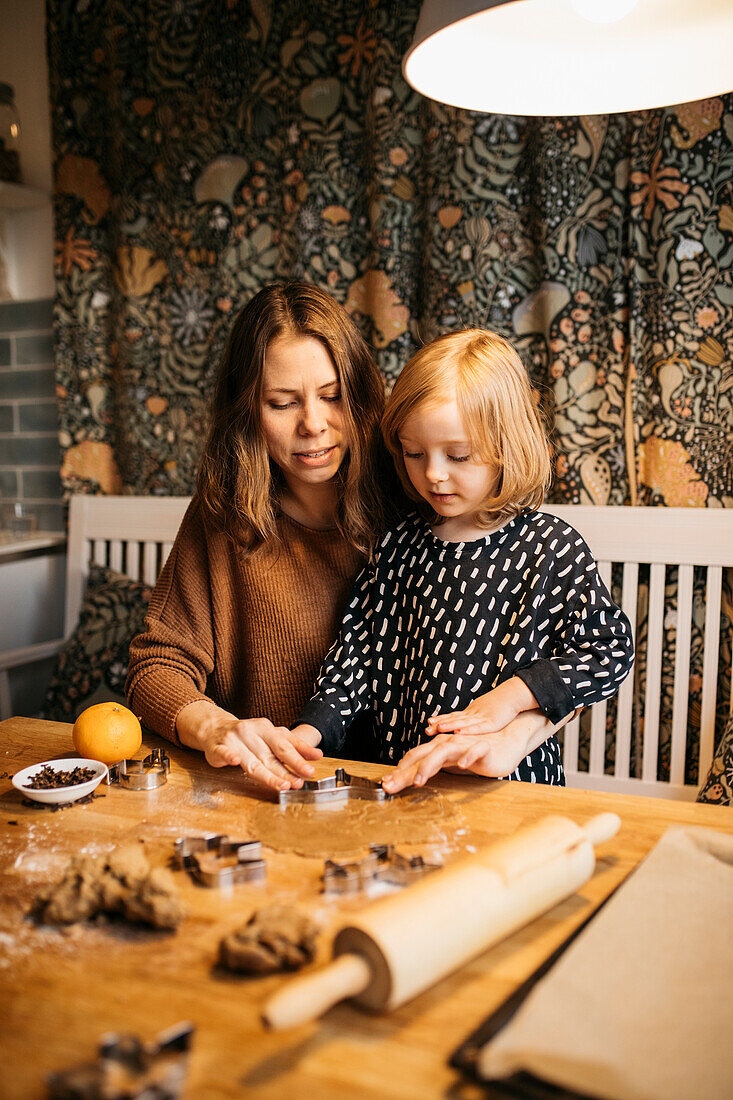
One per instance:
(489, 713)
(273, 755)
(490, 754)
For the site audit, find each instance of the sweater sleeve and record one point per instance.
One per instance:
(343, 688)
(594, 648)
(172, 659)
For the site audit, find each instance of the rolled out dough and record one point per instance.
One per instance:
(310, 829)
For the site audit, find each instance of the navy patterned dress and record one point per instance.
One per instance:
(432, 624)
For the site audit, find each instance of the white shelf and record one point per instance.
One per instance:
(18, 196)
(15, 547)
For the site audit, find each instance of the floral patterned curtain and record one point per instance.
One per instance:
(203, 149)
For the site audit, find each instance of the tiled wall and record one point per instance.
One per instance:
(29, 449)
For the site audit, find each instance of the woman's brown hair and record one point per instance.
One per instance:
(237, 483)
(485, 375)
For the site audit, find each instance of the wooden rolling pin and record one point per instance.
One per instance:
(404, 943)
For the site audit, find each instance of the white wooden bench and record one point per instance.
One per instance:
(134, 535)
(661, 538)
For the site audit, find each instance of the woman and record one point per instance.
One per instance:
(287, 509)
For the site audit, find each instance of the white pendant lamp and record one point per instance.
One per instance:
(571, 57)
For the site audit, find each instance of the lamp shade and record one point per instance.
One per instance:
(571, 57)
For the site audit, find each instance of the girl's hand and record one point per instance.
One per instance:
(489, 754)
(272, 755)
(487, 713)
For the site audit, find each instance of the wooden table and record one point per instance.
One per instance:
(60, 991)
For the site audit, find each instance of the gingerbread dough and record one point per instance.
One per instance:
(120, 882)
(274, 938)
(308, 829)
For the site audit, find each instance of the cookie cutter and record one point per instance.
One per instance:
(142, 775)
(383, 864)
(128, 1068)
(215, 860)
(339, 787)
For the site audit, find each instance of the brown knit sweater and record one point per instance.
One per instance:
(247, 633)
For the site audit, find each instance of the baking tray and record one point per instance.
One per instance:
(523, 1086)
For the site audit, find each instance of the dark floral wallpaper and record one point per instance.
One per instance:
(204, 148)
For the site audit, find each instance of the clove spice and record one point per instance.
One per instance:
(48, 778)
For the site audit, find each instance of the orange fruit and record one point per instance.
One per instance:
(108, 732)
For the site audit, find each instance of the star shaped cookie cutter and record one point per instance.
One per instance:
(215, 860)
(383, 864)
(141, 775)
(128, 1067)
(339, 787)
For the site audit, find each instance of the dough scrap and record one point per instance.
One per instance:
(120, 882)
(276, 937)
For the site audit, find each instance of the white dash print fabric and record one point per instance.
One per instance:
(431, 624)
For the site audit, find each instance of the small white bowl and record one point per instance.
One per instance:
(60, 794)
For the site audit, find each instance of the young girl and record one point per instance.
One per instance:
(477, 608)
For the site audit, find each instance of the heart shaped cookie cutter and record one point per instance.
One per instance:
(141, 775)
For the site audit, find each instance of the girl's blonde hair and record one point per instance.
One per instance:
(495, 399)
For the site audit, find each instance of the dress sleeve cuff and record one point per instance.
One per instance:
(327, 721)
(550, 691)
